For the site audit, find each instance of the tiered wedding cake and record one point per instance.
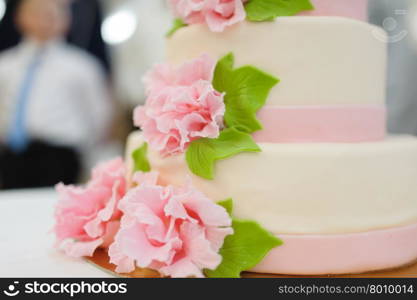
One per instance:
(320, 173)
(341, 195)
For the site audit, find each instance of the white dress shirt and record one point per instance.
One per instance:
(69, 102)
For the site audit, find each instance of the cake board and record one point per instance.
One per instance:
(101, 260)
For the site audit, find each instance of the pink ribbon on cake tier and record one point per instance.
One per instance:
(347, 253)
(355, 9)
(321, 124)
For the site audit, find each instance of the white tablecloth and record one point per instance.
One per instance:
(26, 241)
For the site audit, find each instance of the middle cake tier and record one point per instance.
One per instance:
(310, 188)
(332, 73)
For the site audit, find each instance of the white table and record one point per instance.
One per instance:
(26, 240)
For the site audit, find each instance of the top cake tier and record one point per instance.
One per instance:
(319, 60)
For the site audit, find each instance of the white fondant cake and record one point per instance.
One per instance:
(329, 199)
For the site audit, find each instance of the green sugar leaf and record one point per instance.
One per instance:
(227, 204)
(268, 10)
(140, 160)
(202, 154)
(177, 24)
(246, 91)
(243, 250)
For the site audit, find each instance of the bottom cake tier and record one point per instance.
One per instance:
(339, 208)
(349, 253)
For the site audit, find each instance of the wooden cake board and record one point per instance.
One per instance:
(101, 260)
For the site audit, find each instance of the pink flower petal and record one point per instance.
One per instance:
(218, 22)
(217, 14)
(89, 214)
(141, 178)
(198, 248)
(160, 76)
(95, 228)
(175, 209)
(124, 263)
(105, 174)
(79, 200)
(80, 249)
(174, 230)
(189, 108)
(139, 116)
(70, 225)
(111, 229)
(216, 236)
(201, 68)
(137, 245)
(151, 196)
(209, 212)
(183, 268)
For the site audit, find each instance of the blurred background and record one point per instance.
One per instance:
(97, 53)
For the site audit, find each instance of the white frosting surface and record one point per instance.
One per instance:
(311, 188)
(319, 60)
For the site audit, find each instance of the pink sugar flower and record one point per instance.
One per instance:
(87, 217)
(182, 106)
(167, 75)
(176, 231)
(217, 14)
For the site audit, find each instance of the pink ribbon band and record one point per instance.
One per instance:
(322, 124)
(342, 253)
(355, 9)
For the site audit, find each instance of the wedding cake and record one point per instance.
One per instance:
(280, 107)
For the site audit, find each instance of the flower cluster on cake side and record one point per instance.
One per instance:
(182, 106)
(199, 108)
(220, 14)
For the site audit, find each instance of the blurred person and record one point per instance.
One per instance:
(54, 105)
(84, 32)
